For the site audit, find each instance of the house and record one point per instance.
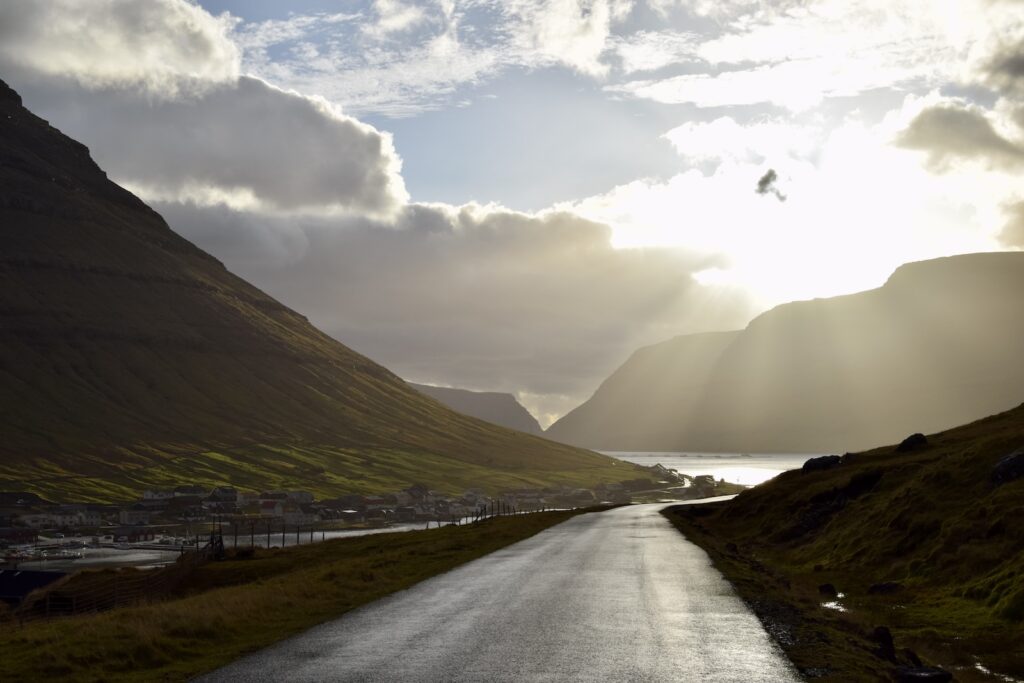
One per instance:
(223, 494)
(17, 535)
(189, 490)
(353, 516)
(132, 534)
(271, 508)
(405, 513)
(300, 497)
(135, 515)
(37, 520)
(295, 515)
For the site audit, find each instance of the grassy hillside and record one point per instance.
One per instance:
(931, 520)
(130, 358)
(937, 345)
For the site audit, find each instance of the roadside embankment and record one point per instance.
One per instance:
(246, 602)
(875, 565)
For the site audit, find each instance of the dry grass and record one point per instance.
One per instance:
(248, 602)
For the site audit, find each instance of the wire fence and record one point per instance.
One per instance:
(91, 591)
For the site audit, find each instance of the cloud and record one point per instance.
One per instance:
(725, 138)
(654, 50)
(244, 143)
(1005, 69)
(825, 240)
(570, 32)
(473, 296)
(951, 131)
(153, 88)
(766, 185)
(1013, 232)
(394, 16)
(160, 46)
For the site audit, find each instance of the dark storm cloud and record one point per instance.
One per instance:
(472, 297)
(948, 132)
(1005, 70)
(766, 185)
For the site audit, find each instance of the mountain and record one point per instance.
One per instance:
(937, 345)
(639, 407)
(130, 358)
(496, 408)
(925, 539)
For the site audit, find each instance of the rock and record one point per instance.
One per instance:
(885, 588)
(1009, 468)
(828, 590)
(912, 443)
(914, 674)
(825, 462)
(886, 648)
(912, 657)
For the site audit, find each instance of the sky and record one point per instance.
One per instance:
(515, 195)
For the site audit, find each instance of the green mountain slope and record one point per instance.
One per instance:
(938, 531)
(130, 358)
(937, 345)
(497, 408)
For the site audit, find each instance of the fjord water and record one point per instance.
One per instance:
(748, 469)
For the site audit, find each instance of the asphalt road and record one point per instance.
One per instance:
(611, 596)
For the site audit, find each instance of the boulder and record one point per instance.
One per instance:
(1009, 468)
(886, 647)
(912, 443)
(825, 462)
(828, 590)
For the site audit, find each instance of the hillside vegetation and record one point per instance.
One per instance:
(129, 358)
(937, 345)
(927, 541)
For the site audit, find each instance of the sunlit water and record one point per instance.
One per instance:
(749, 469)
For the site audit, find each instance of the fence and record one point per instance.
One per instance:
(97, 591)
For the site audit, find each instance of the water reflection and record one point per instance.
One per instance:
(748, 469)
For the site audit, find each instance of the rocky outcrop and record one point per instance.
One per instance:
(1009, 468)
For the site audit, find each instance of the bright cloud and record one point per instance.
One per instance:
(160, 46)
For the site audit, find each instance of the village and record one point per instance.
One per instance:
(189, 511)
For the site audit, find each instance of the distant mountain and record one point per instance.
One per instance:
(130, 358)
(496, 408)
(639, 407)
(937, 345)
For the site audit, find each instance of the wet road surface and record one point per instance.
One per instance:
(611, 596)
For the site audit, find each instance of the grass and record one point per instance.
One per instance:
(247, 602)
(929, 520)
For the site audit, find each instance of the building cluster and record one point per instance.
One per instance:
(23, 515)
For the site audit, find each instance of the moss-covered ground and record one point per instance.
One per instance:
(921, 542)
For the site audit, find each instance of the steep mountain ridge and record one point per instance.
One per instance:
(494, 407)
(131, 358)
(935, 346)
